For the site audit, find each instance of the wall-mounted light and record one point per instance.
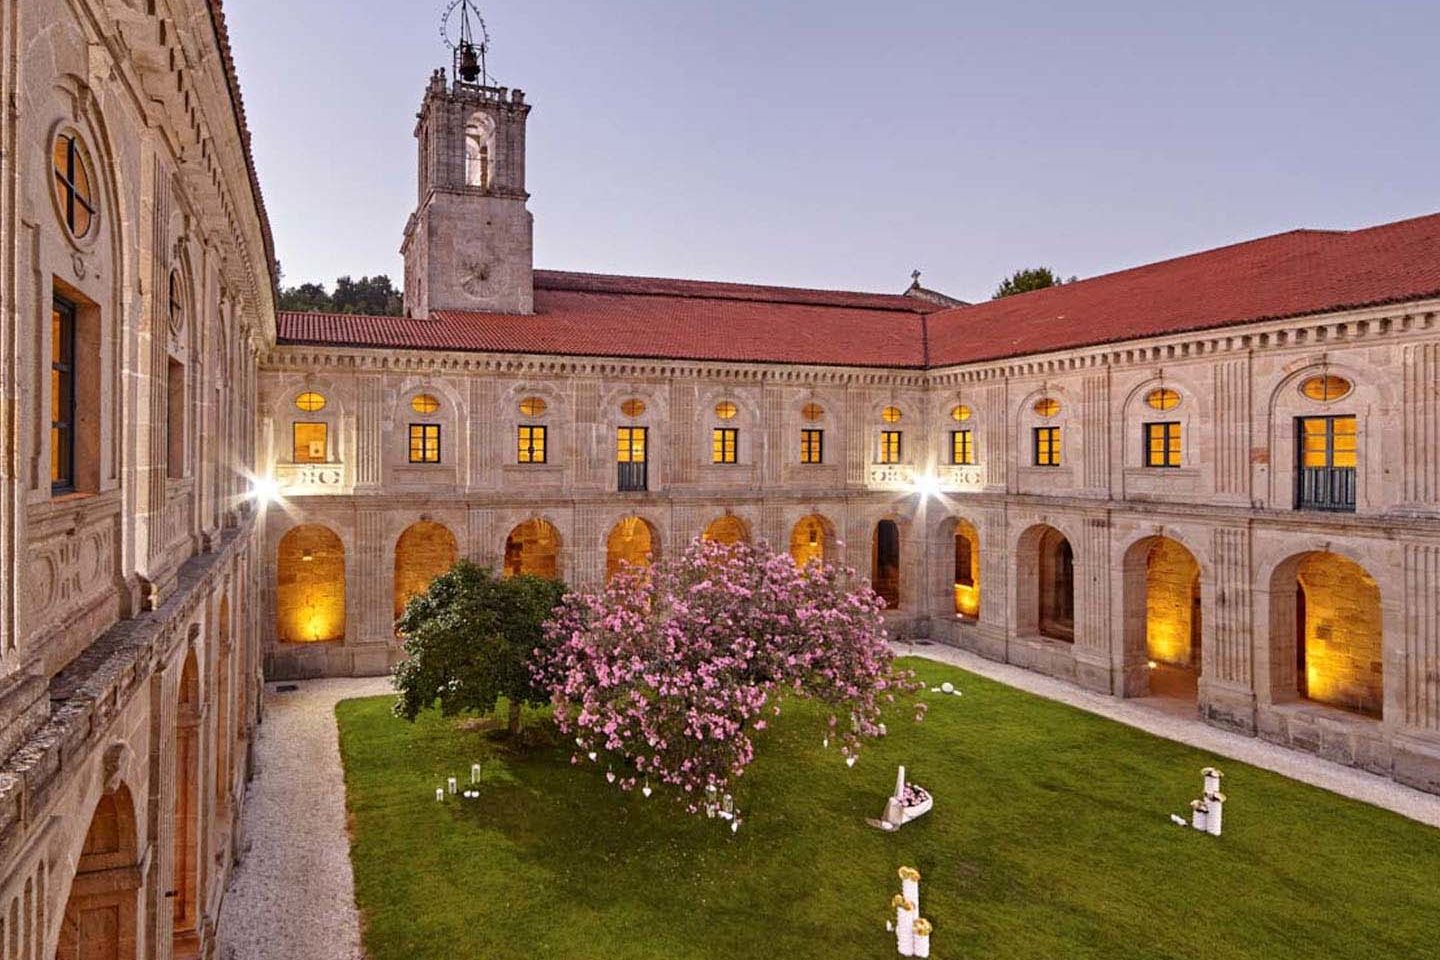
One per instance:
(306, 556)
(265, 489)
(927, 485)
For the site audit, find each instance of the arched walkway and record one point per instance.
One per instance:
(632, 542)
(224, 664)
(533, 548)
(310, 586)
(1327, 634)
(1162, 626)
(185, 852)
(100, 914)
(727, 529)
(812, 538)
(1045, 584)
(966, 573)
(424, 551)
(885, 563)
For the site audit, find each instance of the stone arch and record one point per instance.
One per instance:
(963, 543)
(1327, 633)
(223, 664)
(885, 562)
(1162, 624)
(727, 529)
(101, 912)
(633, 541)
(185, 833)
(812, 538)
(424, 551)
(1045, 584)
(533, 548)
(310, 585)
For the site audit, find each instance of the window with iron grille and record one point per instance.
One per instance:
(424, 443)
(1327, 455)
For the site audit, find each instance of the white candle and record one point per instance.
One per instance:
(910, 890)
(1216, 807)
(439, 794)
(453, 785)
(922, 937)
(474, 773)
(905, 929)
(1197, 815)
(1212, 780)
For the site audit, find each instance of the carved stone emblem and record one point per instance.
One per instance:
(478, 278)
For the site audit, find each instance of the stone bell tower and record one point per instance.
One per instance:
(469, 244)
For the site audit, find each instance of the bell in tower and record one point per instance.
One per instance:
(469, 244)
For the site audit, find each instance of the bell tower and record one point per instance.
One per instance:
(469, 244)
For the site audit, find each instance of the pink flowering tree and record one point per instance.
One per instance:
(673, 669)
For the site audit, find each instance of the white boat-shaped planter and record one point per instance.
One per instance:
(919, 810)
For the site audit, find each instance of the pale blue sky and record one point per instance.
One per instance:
(840, 144)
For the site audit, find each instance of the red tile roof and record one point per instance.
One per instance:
(1289, 274)
(1286, 275)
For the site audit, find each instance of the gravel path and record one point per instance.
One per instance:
(1153, 718)
(293, 894)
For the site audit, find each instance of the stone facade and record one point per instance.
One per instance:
(137, 294)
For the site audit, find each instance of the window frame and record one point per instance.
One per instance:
(962, 447)
(892, 439)
(295, 445)
(812, 445)
(1051, 445)
(1168, 449)
(526, 454)
(75, 155)
(63, 370)
(725, 445)
(425, 434)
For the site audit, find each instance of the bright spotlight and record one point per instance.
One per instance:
(265, 489)
(927, 485)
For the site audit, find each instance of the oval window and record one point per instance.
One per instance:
(633, 407)
(891, 414)
(1326, 388)
(310, 402)
(424, 403)
(1047, 406)
(812, 412)
(1162, 399)
(533, 406)
(74, 191)
(726, 410)
(960, 413)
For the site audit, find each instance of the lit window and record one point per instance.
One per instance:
(1162, 444)
(533, 407)
(1326, 388)
(962, 447)
(1047, 406)
(1047, 446)
(424, 443)
(1328, 442)
(310, 402)
(310, 442)
(812, 412)
(726, 410)
(812, 446)
(632, 407)
(723, 442)
(73, 189)
(532, 445)
(62, 396)
(177, 301)
(890, 446)
(960, 413)
(1162, 399)
(891, 414)
(424, 403)
(630, 445)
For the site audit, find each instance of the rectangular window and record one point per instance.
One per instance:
(890, 447)
(311, 442)
(1047, 446)
(62, 396)
(812, 446)
(962, 448)
(1325, 475)
(723, 444)
(531, 445)
(1162, 444)
(424, 443)
(630, 458)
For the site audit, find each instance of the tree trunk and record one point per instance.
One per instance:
(514, 717)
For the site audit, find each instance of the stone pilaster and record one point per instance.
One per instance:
(369, 396)
(1420, 698)
(1095, 436)
(1230, 430)
(1421, 410)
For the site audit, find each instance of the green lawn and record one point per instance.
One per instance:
(1049, 839)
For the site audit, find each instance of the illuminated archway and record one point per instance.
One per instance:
(632, 542)
(727, 529)
(310, 586)
(101, 911)
(1327, 633)
(967, 570)
(811, 539)
(885, 563)
(533, 548)
(1162, 626)
(424, 551)
(184, 851)
(1045, 584)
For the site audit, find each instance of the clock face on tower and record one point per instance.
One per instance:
(478, 278)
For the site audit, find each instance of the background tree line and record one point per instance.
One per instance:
(375, 296)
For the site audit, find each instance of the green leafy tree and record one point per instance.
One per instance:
(470, 639)
(306, 298)
(1023, 281)
(374, 296)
